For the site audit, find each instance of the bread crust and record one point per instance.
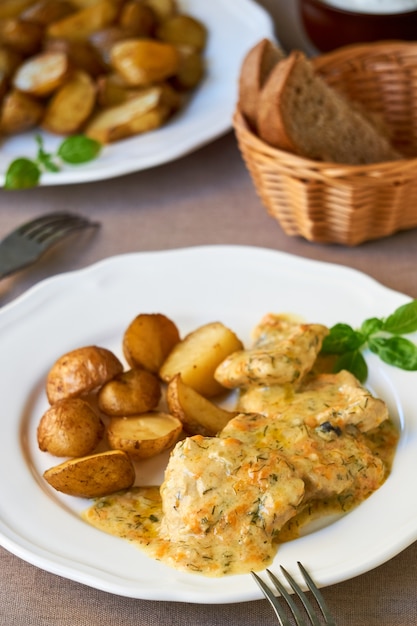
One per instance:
(298, 112)
(256, 67)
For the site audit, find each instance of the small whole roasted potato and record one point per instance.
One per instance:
(197, 356)
(19, 112)
(144, 436)
(199, 416)
(80, 371)
(70, 428)
(132, 392)
(92, 476)
(148, 340)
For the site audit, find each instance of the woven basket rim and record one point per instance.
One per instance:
(374, 48)
(399, 165)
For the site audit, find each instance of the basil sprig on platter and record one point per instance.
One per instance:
(381, 335)
(24, 173)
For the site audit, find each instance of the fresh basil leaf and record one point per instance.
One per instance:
(354, 363)
(342, 338)
(22, 173)
(371, 326)
(403, 320)
(78, 149)
(396, 351)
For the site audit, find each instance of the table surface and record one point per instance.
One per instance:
(204, 198)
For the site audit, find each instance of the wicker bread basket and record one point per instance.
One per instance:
(347, 204)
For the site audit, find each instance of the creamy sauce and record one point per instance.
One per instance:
(136, 516)
(374, 6)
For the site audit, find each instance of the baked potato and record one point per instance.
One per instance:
(81, 371)
(140, 113)
(142, 62)
(144, 436)
(183, 29)
(197, 356)
(92, 476)
(19, 112)
(199, 416)
(71, 105)
(70, 428)
(132, 392)
(148, 340)
(42, 74)
(81, 24)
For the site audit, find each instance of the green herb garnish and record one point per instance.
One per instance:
(24, 173)
(381, 335)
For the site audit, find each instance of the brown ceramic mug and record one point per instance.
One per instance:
(329, 27)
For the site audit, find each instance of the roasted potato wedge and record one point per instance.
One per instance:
(94, 475)
(42, 74)
(144, 436)
(183, 29)
(148, 340)
(162, 8)
(142, 62)
(191, 70)
(23, 37)
(132, 392)
(197, 356)
(140, 113)
(45, 12)
(138, 18)
(84, 22)
(19, 112)
(198, 415)
(13, 8)
(71, 105)
(70, 428)
(9, 61)
(81, 55)
(81, 371)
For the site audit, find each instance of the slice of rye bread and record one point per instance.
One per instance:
(256, 67)
(298, 112)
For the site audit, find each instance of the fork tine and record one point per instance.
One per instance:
(48, 230)
(284, 593)
(279, 611)
(43, 220)
(319, 598)
(306, 603)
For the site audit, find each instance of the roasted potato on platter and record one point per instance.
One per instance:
(80, 371)
(85, 21)
(144, 436)
(183, 30)
(148, 340)
(19, 112)
(142, 62)
(141, 113)
(199, 416)
(40, 75)
(132, 392)
(92, 476)
(71, 105)
(197, 356)
(70, 428)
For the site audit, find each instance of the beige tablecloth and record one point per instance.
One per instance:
(203, 198)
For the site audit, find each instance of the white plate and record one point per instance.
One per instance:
(234, 27)
(236, 285)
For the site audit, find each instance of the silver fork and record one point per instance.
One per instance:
(313, 616)
(28, 242)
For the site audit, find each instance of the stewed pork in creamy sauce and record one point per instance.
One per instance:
(304, 443)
